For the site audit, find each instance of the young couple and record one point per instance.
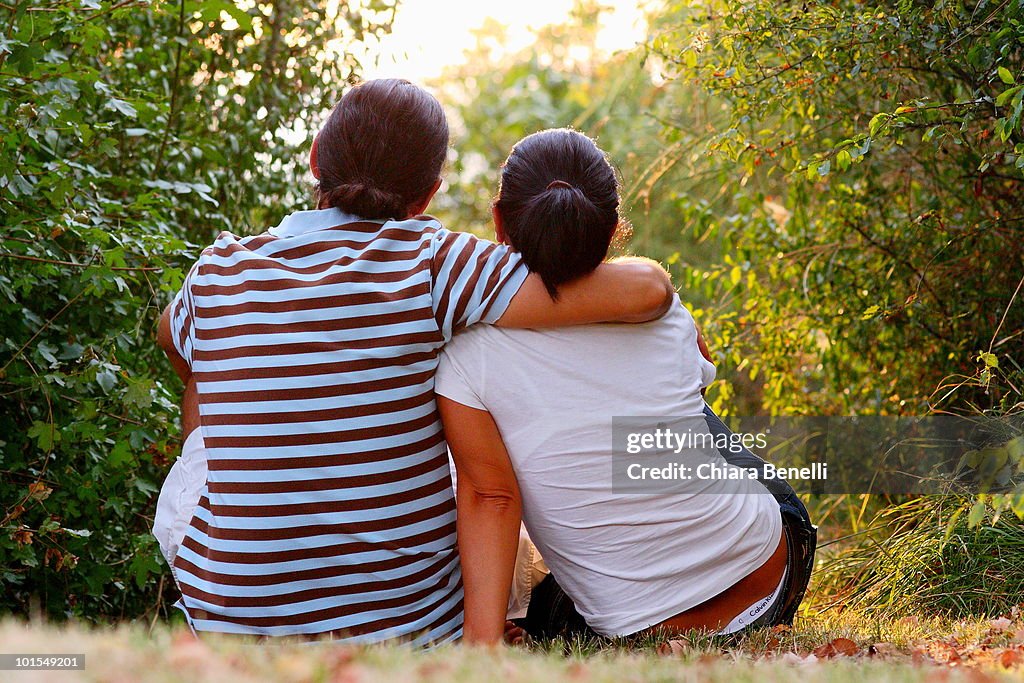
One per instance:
(332, 361)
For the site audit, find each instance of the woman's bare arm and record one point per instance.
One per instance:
(626, 290)
(490, 512)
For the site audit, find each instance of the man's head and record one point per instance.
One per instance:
(381, 151)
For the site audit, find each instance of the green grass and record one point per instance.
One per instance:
(925, 601)
(927, 560)
(907, 649)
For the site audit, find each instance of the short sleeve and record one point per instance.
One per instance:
(707, 372)
(456, 376)
(474, 280)
(182, 308)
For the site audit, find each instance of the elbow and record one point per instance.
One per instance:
(498, 501)
(165, 340)
(163, 332)
(655, 294)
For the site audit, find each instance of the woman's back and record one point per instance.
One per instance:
(628, 560)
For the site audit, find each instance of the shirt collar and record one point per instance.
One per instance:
(302, 222)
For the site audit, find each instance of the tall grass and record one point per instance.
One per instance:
(929, 560)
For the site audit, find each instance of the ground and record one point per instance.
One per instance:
(824, 647)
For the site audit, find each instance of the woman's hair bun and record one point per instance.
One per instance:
(559, 184)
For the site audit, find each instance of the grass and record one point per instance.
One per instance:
(928, 560)
(907, 649)
(927, 600)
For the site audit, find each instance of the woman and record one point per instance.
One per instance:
(528, 417)
(318, 500)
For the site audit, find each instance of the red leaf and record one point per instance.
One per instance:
(840, 647)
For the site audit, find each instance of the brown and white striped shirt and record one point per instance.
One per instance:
(328, 508)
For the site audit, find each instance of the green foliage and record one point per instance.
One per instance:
(938, 555)
(878, 245)
(837, 188)
(130, 132)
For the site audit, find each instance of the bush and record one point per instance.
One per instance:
(130, 132)
(877, 169)
(931, 558)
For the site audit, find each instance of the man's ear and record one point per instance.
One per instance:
(499, 227)
(312, 158)
(419, 208)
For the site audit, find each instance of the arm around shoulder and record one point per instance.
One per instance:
(648, 291)
(625, 290)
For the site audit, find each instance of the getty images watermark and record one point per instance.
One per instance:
(873, 454)
(704, 459)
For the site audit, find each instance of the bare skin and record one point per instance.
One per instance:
(190, 397)
(629, 290)
(487, 526)
(716, 613)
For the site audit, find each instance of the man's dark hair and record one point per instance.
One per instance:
(558, 200)
(381, 150)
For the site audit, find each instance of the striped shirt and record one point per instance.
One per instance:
(328, 507)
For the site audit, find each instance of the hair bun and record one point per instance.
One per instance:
(559, 184)
(365, 200)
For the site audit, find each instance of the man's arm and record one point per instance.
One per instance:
(626, 290)
(703, 347)
(190, 398)
(165, 338)
(490, 512)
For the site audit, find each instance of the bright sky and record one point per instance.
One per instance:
(430, 34)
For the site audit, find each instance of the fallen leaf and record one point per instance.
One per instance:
(881, 650)
(840, 647)
(671, 648)
(1010, 658)
(944, 653)
(794, 658)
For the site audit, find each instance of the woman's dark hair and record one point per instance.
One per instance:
(558, 201)
(381, 150)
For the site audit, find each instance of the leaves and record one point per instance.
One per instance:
(39, 491)
(110, 183)
(122, 107)
(839, 647)
(45, 435)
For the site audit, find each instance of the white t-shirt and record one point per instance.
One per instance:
(628, 561)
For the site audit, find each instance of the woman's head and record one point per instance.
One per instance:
(381, 151)
(558, 205)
